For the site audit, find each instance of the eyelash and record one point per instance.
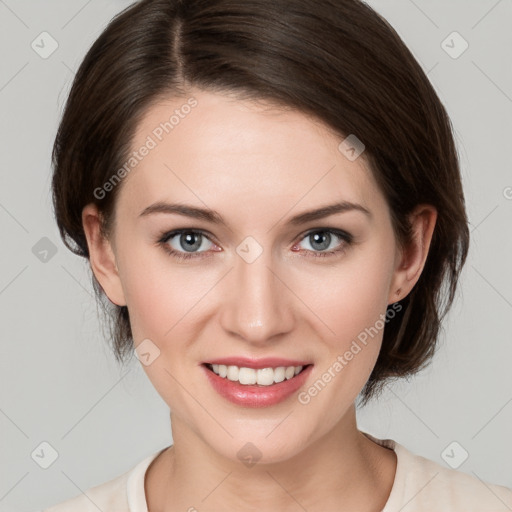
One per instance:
(166, 236)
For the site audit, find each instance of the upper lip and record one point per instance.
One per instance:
(265, 362)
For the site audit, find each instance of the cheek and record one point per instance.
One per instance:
(148, 304)
(352, 303)
(151, 293)
(158, 301)
(163, 299)
(351, 298)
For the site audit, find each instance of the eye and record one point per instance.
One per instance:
(323, 239)
(186, 244)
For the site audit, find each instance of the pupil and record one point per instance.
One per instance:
(319, 236)
(190, 245)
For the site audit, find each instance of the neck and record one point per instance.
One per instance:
(343, 470)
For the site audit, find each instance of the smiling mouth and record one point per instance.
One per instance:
(262, 377)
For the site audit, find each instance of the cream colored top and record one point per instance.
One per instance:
(420, 485)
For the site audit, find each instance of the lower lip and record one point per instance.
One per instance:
(254, 395)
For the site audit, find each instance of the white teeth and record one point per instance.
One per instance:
(233, 372)
(262, 376)
(279, 374)
(247, 376)
(289, 372)
(265, 376)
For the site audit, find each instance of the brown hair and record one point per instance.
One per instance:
(337, 60)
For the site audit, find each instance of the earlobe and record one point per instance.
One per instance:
(101, 256)
(411, 260)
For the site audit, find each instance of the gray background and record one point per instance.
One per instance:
(60, 384)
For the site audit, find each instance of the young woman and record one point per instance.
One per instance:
(269, 196)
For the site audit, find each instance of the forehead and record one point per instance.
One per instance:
(210, 147)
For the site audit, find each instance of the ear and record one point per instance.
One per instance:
(101, 256)
(411, 260)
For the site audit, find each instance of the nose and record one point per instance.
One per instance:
(258, 305)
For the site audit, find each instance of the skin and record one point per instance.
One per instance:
(257, 166)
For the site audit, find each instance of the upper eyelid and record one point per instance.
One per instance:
(169, 235)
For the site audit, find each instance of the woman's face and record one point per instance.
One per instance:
(257, 283)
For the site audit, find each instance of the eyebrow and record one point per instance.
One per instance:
(215, 218)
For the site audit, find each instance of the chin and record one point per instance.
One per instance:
(250, 446)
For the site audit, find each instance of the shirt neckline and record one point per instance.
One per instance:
(136, 493)
(397, 489)
(135, 490)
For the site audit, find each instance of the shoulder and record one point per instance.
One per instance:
(422, 485)
(121, 494)
(109, 495)
(425, 485)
